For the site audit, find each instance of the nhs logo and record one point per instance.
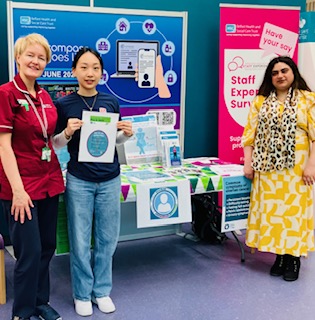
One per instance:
(25, 20)
(230, 28)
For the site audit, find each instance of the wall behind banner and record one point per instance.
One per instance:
(201, 109)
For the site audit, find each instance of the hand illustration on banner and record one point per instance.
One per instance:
(160, 83)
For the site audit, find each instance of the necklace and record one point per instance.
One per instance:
(85, 102)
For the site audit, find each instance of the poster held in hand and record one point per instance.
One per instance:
(98, 137)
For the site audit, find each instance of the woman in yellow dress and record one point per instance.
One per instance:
(279, 151)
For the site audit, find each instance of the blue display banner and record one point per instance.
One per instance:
(306, 61)
(307, 27)
(118, 37)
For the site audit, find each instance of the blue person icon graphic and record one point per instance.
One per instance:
(164, 203)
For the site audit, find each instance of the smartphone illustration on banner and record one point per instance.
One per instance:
(146, 68)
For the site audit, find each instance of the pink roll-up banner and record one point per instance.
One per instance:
(250, 36)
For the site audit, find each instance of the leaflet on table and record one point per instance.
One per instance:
(185, 172)
(228, 169)
(173, 157)
(142, 146)
(171, 153)
(146, 175)
(161, 133)
(98, 137)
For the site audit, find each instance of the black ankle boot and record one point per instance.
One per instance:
(291, 272)
(279, 266)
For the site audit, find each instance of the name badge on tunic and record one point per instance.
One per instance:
(24, 104)
(46, 154)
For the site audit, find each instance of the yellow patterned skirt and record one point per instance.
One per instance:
(281, 210)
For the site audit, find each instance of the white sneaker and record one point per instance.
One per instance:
(83, 308)
(105, 304)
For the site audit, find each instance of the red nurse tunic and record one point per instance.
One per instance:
(40, 178)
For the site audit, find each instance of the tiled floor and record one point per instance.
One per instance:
(172, 278)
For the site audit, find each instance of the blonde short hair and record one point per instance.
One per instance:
(33, 38)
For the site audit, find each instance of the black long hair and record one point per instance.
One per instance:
(84, 50)
(298, 83)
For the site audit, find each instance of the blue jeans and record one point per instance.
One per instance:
(92, 205)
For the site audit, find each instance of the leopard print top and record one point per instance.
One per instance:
(274, 147)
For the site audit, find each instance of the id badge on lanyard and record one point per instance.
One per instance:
(46, 154)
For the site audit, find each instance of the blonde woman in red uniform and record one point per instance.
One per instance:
(30, 177)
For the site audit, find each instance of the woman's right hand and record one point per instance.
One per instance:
(21, 203)
(248, 171)
(73, 125)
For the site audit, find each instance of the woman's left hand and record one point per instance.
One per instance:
(309, 174)
(126, 127)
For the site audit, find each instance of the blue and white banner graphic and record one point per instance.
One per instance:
(163, 203)
(119, 35)
(307, 48)
(236, 192)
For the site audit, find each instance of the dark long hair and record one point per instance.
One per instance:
(298, 83)
(84, 50)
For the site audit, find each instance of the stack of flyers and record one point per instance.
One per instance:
(171, 152)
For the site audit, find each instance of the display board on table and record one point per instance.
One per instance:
(152, 142)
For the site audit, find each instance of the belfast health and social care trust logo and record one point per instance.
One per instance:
(163, 203)
(25, 20)
(230, 28)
